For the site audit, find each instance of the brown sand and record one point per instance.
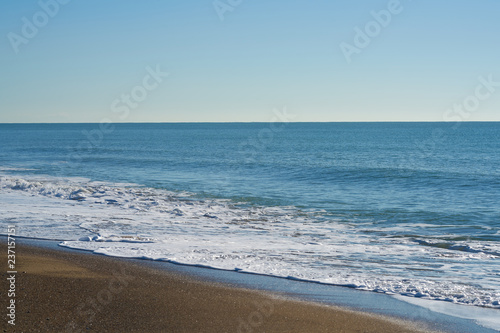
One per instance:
(58, 291)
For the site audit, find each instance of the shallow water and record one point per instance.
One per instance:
(398, 208)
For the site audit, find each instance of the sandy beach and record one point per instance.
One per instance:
(60, 291)
(250, 166)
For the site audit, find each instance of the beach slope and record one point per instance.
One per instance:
(63, 291)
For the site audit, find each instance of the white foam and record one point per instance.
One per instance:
(131, 221)
(488, 318)
(15, 169)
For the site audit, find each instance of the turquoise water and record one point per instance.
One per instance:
(414, 202)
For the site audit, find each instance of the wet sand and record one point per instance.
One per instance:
(61, 291)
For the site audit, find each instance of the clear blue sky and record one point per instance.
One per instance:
(263, 55)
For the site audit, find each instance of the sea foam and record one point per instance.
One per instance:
(128, 220)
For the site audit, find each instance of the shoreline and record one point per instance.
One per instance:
(245, 302)
(67, 291)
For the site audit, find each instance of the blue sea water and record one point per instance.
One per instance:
(399, 208)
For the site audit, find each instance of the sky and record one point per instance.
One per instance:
(243, 61)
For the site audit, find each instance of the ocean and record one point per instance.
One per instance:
(407, 209)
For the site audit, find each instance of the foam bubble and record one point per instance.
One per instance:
(132, 221)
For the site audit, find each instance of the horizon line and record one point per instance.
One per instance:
(254, 122)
